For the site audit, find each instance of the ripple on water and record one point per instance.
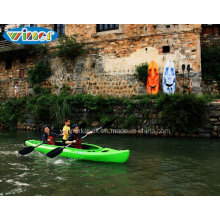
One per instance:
(59, 178)
(16, 183)
(18, 166)
(9, 153)
(60, 161)
(23, 174)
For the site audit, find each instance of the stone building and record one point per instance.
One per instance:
(111, 69)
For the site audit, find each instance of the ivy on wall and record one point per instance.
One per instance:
(39, 72)
(178, 112)
(68, 47)
(142, 72)
(210, 60)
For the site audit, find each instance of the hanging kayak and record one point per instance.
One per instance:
(153, 79)
(169, 78)
(90, 152)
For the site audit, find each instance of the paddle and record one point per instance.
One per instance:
(183, 69)
(28, 150)
(55, 152)
(188, 70)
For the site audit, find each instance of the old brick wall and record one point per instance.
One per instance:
(17, 73)
(210, 35)
(111, 70)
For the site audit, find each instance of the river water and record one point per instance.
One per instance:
(157, 166)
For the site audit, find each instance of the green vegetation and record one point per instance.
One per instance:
(13, 111)
(178, 112)
(130, 122)
(39, 73)
(182, 113)
(38, 90)
(142, 72)
(36, 50)
(211, 64)
(69, 47)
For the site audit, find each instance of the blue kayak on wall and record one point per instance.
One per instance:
(169, 78)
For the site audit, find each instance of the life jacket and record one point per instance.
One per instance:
(51, 142)
(78, 142)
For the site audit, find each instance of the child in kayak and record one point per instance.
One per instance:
(48, 136)
(66, 130)
(75, 137)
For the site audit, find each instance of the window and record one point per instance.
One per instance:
(27, 25)
(106, 27)
(59, 28)
(21, 73)
(166, 49)
(8, 63)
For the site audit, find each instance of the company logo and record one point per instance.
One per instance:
(30, 35)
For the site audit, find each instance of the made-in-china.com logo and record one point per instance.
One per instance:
(30, 35)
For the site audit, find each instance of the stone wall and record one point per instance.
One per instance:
(111, 70)
(210, 35)
(8, 91)
(212, 128)
(21, 62)
(149, 123)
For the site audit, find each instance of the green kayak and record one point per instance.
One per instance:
(89, 152)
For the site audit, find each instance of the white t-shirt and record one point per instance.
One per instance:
(16, 89)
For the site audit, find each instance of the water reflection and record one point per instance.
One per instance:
(157, 166)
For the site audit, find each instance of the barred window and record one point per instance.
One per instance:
(106, 27)
(59, 28)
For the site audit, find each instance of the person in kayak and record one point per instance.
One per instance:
(48, 136)
(75, 137)
(66, 130)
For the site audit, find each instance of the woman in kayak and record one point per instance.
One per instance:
(75, 137)
(48, 136)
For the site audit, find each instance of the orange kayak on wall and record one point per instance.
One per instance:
(153, 79)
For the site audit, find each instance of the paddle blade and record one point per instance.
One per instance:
(26, 150)
(55, 152)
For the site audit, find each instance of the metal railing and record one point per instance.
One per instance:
(7, 45)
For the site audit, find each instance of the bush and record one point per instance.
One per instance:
(38, 50)
(38, 90)
(130, 122)
(183, 112)
(39, 73)
(13, 111)
(142, 72)
(210, 64)
(178, 112)
(68, 47)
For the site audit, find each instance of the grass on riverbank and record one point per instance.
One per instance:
(178, 112)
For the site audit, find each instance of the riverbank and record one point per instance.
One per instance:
(161, 115)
